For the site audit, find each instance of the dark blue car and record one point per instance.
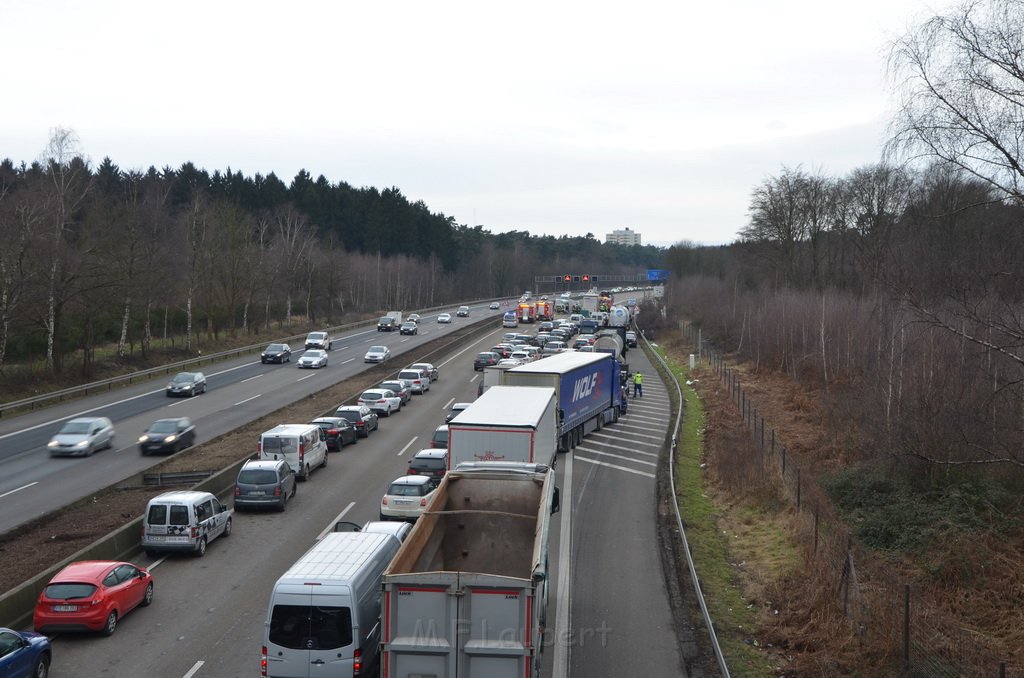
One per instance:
(23, 653)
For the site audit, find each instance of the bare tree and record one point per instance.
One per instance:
(71, 181)
(959, 79)
(20, 220)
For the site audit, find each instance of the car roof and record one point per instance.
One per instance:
(178, 496)
(328, 420)
(262, 463)
(81, 420)
(350, 408)
(91, 571)
(431, 453)
(412, 480)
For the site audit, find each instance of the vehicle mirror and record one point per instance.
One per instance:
(555, 502)
(346, 526)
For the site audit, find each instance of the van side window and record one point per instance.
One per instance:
(179, 515)
(203, 511)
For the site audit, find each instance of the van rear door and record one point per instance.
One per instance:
(310, 634)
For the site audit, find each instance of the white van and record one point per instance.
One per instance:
(184, 521)
(303, 446)
(324, 613)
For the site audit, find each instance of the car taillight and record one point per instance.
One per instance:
(384, 501)
(423, 502)
(238, 491)
(381, 401)
(194, 532)
(263, 661)
(332, 432)
(357, 662)
(277, 491)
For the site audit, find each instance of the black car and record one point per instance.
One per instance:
(362, 418)
(387, 324)
(401, 388)
(409, 328)
(485, 359)
(339, 431)
(187, 383)
(167, 436)
(276, 353)
(430, 462)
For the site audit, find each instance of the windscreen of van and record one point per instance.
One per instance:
(158, 514)
(273, 445)
(310, 627)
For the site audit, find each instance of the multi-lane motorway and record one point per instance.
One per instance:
(609, 611)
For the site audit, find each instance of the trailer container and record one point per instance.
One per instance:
(587, 389)
(506, 423)
(466, 595)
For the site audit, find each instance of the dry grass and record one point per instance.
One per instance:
(967, 589)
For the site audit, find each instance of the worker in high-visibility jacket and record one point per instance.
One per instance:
(638, 385)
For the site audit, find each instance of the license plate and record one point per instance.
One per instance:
(257, 493)
(65, 608)
(404, 502)
(156, 537)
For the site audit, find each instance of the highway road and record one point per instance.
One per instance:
(240, 390)
(609, 612)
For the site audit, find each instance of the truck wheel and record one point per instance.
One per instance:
(201, 551)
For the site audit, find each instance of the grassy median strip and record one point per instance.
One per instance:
(736, 621)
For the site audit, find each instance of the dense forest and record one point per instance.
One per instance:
(98, 255)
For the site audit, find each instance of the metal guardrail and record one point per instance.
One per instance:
(144, 375)
(679, 520)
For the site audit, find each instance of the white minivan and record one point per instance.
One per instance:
(303, 446)
(324, 613)
(184, 521)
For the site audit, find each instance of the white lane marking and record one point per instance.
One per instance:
(590, 450)
(624, 448)
(563, 621)
(448, 404)
(158, 562)
(176, 402)
(402, 340)
(595, 436)
(250, 378)
(347, 361)
(337, 519)
(19, 489)
(311, 374)
(408, 445)
(620, 468)
(643, 435)
(242, 402)
(195, 669)
(475, 377)
(457, 355)
(116, 402)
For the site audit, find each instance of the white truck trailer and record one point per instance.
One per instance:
(506, 423)
(466, 595)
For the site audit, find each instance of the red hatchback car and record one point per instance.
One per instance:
(92, 595)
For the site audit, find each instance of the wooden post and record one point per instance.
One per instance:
(906, 626)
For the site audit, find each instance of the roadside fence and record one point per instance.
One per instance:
(880, 609)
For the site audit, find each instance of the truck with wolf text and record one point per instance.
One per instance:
(587, 389)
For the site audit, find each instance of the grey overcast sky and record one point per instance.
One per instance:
(550, 117)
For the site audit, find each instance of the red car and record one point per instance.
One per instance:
(92, 595)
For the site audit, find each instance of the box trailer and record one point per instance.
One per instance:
(466, 595)
(506, 423)
(587, 388)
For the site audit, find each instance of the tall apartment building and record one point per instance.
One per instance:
(623, 237)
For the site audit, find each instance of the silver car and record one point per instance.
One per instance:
(187, 383)
(313, 359)
(377, 354)
(82, 436)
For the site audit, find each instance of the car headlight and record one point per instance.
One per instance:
(143, 438)
(170, 439)
(82, 443)
(53, 443)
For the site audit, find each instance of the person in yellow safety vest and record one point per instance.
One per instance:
(638, 385)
